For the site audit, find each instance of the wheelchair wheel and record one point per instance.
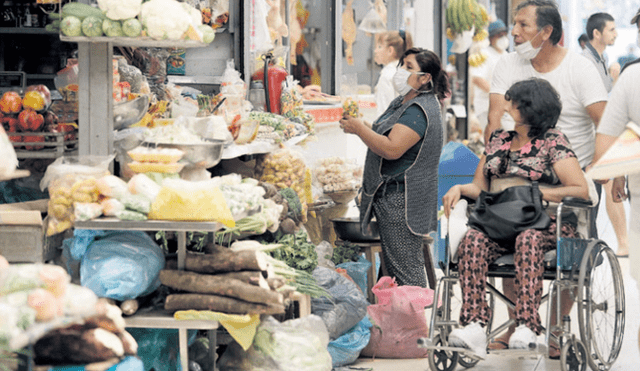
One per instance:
(573, 356)
(601, 307)
(442, 360)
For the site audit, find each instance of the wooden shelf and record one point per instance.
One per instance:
(136, 41)
(27, 31)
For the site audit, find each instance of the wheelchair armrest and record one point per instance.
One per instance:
(576, 202)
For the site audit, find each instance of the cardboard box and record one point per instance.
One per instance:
(22, 237)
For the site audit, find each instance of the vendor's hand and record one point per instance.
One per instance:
(450, 199)
(350, 124)
(618, 190)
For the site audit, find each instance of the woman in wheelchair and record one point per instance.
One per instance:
(533, 151)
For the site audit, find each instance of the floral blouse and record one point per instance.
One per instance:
(533, 161)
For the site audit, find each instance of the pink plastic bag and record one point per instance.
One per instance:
(398, 320)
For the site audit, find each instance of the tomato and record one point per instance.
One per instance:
(33, 139)
(30, 120)
(10, 102)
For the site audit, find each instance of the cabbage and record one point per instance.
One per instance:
(71, 26)
(112, 28)
(208, 34)
(132, 27)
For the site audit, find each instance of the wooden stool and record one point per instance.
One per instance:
(369, 249)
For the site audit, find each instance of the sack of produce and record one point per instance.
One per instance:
(347, 306)
(122, 265)
(345, 350)
(299, 344)
(398, 304)
(190, 202)
(338, 174)
(8, 154)
(70, 180)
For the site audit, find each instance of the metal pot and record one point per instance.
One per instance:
(348, 229)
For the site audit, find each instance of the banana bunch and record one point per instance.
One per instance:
(477, 59)
(462, 15)
(480, 35)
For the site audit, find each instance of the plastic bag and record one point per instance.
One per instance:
(260, 38)
(158, 348)
(8, 155)
(358, 271)
(325, 252)
(398, 320)
(338, 174)
(299, 344)
(122, 265)
(346, 349)
(231, 81)
(191, 203)
(209, 127)
(347, 306)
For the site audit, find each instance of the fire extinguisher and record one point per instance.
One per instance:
(272, 76)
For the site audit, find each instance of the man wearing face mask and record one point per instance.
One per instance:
(481, 75)
(635, 20)
(537, 30)
(400, 180)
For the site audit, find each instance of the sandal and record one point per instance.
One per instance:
(498, 344)
(554, 351)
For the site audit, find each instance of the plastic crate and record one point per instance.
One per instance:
(53, 146)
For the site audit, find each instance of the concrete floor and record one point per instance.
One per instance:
(628, 360)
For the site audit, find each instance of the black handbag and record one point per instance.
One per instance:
(503, 215)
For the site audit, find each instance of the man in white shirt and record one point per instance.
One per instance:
(536, 32)
(481, 75)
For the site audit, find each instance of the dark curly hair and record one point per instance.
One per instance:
(430, 63)
(538, 103)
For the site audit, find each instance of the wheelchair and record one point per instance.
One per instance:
(585, 268)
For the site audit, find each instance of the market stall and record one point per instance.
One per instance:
(202, 210)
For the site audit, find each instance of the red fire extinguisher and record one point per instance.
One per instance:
(272, 76)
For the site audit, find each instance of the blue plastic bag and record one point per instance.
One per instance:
(127, 364)
(159, 348)
(122, 265)
(346, 349)
(357, 271)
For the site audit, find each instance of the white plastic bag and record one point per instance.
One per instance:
(8, 154)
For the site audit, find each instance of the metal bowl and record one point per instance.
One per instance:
(348, 229)
(129, 112)
(342, 197)
(203, 155)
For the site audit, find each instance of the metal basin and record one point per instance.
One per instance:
(129, 112)
(203, 155)
(348, 229)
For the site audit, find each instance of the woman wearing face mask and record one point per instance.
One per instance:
(389, 48)
(400, 182)
(481, 75)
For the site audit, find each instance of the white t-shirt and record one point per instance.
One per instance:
(384, 90)
(485, 70)
(624, 106)
(574, 79)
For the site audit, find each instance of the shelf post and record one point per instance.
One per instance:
(95, 80)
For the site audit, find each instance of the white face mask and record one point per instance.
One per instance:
(527, 51)
(502, 43)
(401, 80)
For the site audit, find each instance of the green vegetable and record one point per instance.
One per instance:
(303, 282)
(295, 206)
(82, 11)
(254, 224)
(132, 27)
(112, 28)
(345, 253)
(71, 26)
(137, 203)
(296, 251)
(130, 215)
(92, 26)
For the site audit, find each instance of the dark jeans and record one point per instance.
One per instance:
(594, 212)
